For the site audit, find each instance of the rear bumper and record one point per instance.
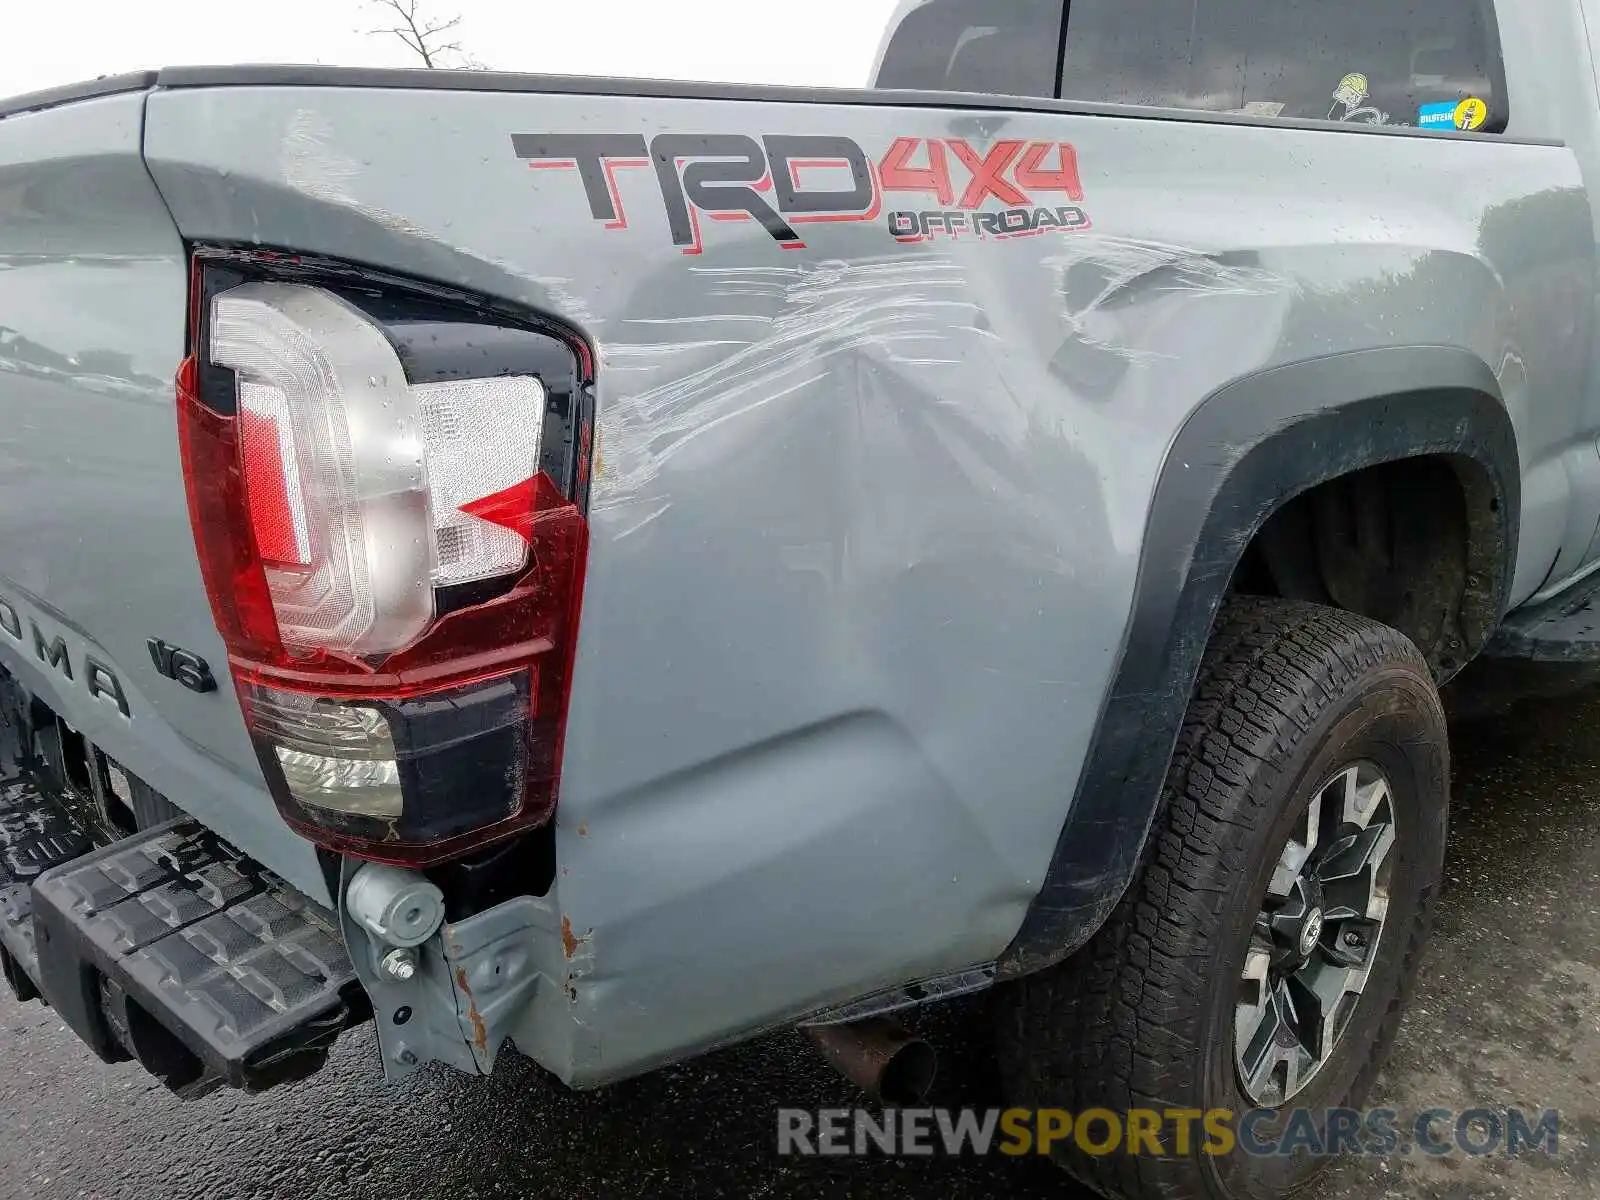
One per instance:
(169, 947)
(34, 837)
(151, 937)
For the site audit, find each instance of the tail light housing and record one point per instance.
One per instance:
(387, 484)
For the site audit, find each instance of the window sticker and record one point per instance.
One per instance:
(1471, 113)
(1437, 116)
(1352, 90)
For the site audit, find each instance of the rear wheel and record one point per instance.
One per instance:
(1262, 957)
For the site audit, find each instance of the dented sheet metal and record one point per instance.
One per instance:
(882, 396)
(769, 333)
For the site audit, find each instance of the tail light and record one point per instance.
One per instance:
(387, 491)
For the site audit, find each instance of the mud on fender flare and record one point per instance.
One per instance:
(1246, 450)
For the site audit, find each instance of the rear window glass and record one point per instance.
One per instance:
(1005, 49)
(1429, 63)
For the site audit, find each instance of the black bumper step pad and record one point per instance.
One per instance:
(36, 834)
(173, 948)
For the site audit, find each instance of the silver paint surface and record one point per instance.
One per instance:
(866, 516)
(95, 544)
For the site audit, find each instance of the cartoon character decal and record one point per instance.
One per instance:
(1351, 95)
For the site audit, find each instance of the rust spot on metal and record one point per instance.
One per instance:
(583, 829)
(569, 940)
(480, 1032)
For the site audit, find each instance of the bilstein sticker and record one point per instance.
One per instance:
(1437, 116)
(1471, 113)
(784, 181)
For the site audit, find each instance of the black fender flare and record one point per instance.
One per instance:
(1245, 451)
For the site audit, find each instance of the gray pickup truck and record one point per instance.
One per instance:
(608, 568)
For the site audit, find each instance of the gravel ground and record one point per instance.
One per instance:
(1508, 1014)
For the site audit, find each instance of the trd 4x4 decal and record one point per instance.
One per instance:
(788, 180)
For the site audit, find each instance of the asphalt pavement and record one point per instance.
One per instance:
(1508, 1014)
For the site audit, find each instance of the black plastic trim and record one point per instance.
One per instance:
(1242, 454)
(1561, 630)
(1500, 113)
(165, 947)
(106, 85)
(669, 89)
(1061, 47)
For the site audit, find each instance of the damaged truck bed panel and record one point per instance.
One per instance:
(868, 494)
(663, 562)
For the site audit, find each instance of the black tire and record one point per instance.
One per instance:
(1142, 1016)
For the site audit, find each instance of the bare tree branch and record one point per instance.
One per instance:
(426, 37)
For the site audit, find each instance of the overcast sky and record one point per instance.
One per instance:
(819, 42)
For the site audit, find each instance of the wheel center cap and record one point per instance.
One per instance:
(1310, 932)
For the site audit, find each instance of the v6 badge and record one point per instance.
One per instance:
(185, 666)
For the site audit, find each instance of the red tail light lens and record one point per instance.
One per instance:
(386, 492)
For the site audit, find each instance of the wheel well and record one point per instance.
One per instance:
(1414, 543)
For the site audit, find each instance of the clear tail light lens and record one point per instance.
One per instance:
(334, 465)
(337, 757)
(386, 489)
(481, 438)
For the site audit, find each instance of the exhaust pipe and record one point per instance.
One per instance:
(880, 1056)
